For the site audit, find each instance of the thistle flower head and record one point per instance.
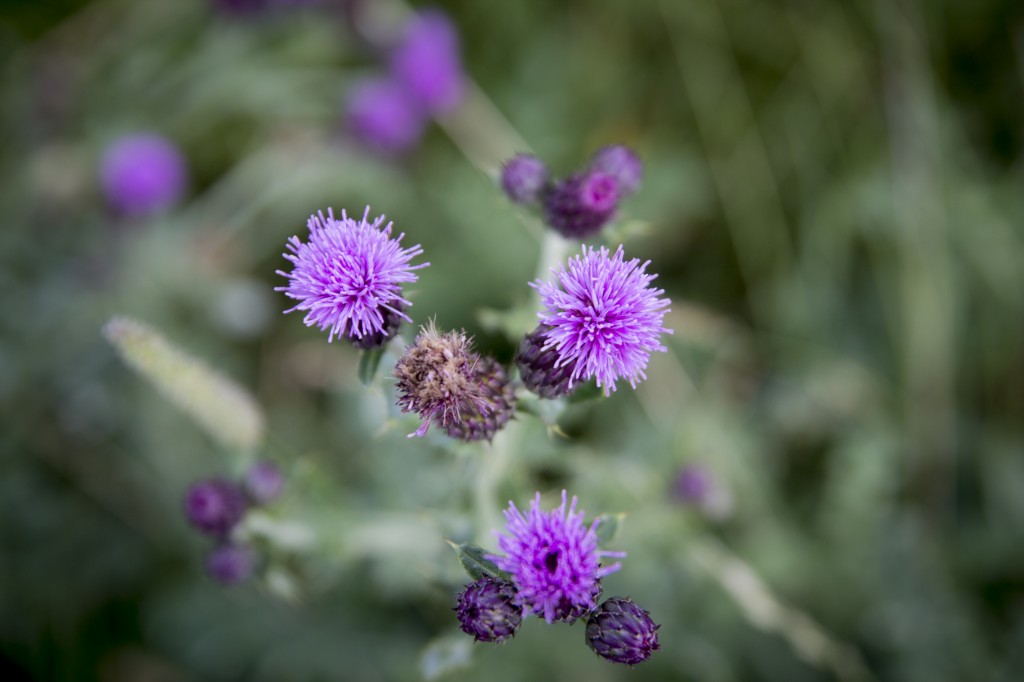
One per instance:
(620, 162)
(538, 366)
(142, 174)
(605, 318)
(553, 560)
(524, 177)
(487, 610)
(580, 205)
(214, 506)
(382, 115)
(438, 378)
(230, 564)
(348, 277)
(426, 62)
(622, 632)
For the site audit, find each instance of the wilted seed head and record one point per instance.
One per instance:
(620, 162)
(437, 378)
(621, 631)
(538, 366)
(214, 506)
(487, 610)
(524, 177)
(230, 564)
(580, 205)
(497, 393)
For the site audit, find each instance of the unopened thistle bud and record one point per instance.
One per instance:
(621, 631)
(441, 379)
(621, 163)
(263, 483)
(214, 506)
(497, 393)
(524, 178)
(539, 366)
(230, 564)
(580, 205)
(487, 610)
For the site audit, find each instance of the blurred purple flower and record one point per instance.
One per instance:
(214, 506)
(230, 564)
(693, 484)
(263, 482)
(382, 115)
(605, 318)
(620, 162)
(553, 560)
(524, 177)
(427, 62)
(580, 205)
(142, 174)
(348, 277)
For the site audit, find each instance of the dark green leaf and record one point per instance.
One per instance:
(472, 558)
(369, 362)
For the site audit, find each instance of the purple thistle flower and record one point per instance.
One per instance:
(230, 564)
(622, 632)
(580, 205)
(553, 560)
(524, 177)
(427, 62)
(605, 319)
(620, 162)
(693, 484)
(487, 610)
(214, 506)
(348, 276)
(381, 114)
(263, 482)
(142, 174)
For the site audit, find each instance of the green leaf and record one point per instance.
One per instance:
(476, 565)
(445, 655)
(608, 527)
(369, 362)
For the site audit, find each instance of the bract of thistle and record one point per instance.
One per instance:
(553, 559)
(580, 205)
(622, 632)
(438, 378)
(348, 276)
(605, 319)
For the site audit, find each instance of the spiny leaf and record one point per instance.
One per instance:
(608, 527)
(219, 405)
(475, 563)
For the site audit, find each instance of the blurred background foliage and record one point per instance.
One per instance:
(834, 200)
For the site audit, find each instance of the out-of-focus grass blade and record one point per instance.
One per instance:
(219, 405)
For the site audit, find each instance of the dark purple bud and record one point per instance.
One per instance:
(381, 114)
(622, 164)
(486, 610)
(214, 506)
(524, 178)
(580, 205)
(621, 631)
(693, 484)
(537, 366)
(230, 564)
(426, 62)
(263, 482)
(142, 174)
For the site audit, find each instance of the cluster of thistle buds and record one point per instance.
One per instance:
(551, 567)
(216, 507)
(577, 206)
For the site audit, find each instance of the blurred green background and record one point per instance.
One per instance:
(834, 200)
